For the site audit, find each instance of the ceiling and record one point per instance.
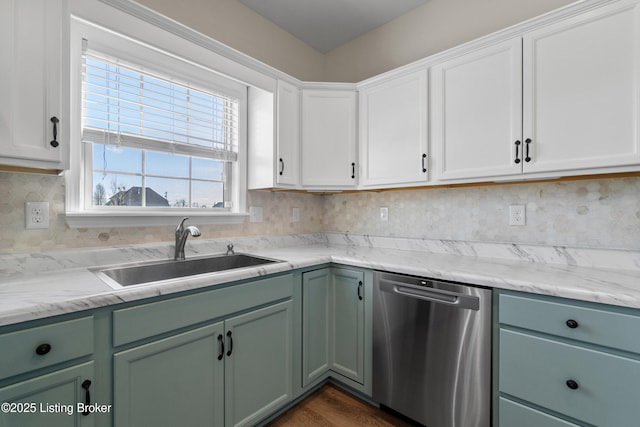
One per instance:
(327, 24)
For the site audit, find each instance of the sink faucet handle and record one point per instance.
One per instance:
(230, 249)
(180, 226)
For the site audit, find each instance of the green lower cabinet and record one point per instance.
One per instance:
(333, 324)
(51, 400)
(316, 287)
(258, 365)
(231, 373)
(172, 381)
(347, 325)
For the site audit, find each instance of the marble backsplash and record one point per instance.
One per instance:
(18, 188)
(597, 213)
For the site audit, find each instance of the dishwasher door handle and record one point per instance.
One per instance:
(431, 294)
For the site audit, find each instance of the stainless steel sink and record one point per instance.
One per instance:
(169, 269)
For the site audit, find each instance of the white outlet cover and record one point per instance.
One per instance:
(295, 214)
(36, 215)
(517, 215)
(384, 214)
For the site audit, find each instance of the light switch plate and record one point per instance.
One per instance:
(36, 215)
(295, 214)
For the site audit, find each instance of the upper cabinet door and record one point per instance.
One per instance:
(288, 134)
(477, 112)
(31, 84)
(329, 138)
(393, 132)
(581, 91)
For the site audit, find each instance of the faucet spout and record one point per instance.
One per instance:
(182, 233)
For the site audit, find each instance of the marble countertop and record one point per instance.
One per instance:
(40, 285)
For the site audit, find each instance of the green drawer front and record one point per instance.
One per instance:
(619, 329)
(537, 370)
(67, 340)
(513, 414)
(135, 323)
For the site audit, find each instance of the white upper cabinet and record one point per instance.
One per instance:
(393, 132)
(274, 163)
(582, 90)
(34, 116)
(329, 139)
(561, 100)
(288, 134)
(477, 112)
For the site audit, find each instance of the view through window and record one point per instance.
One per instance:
(150, 141)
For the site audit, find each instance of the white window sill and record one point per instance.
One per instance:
(88, 219)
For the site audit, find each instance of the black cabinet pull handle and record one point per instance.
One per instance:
(353, 170)
(572, 323)
(221, 342)
(281, 166)
(43, 349)
(517, 160)
(527, 158)
(360, 290)
(572, 384)
(54, 143)
(424, 168)
(87, 396)
(230, 343)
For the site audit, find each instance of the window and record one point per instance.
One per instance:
(158, 135)
(153, 142)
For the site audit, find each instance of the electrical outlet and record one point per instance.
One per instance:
(384, 214)
(36, 214)
(295, 214)
(517, 215)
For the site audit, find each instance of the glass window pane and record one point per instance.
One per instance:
(207, 194)
(116, 190)
(116, 158)
(167, 164)
(207, 169)
(167, 192)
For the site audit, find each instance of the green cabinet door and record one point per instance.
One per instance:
(258, 364)
(316, 287)
(347, 323)
(49, 400)
(177, 381)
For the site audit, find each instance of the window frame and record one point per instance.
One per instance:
(79, 212)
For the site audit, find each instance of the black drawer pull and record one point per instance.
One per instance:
(87, 397)
(572, 323)
(43, 349)
(424, 158)
(54, 142)
(230, 343)
(517, 159)
(527, 142)
(360, 290)
(572, 384)
(281, 166)
(221, 342)
(353, 171)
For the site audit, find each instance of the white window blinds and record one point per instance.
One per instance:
(125, 105)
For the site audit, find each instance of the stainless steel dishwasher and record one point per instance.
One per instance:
(432, 350)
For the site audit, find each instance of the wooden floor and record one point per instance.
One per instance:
(331, 406)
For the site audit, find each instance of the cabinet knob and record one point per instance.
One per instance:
(572, 384)
(43, 349)
(54, 142)
(572, 323)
